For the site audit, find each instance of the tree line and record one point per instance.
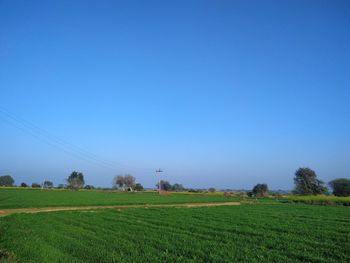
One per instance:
(305, 181)
(76, 181)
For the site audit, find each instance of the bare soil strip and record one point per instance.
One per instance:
(6, 212)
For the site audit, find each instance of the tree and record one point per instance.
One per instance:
(306, 182)
(88, 187)
(24, 185)
(129, 181)
(177, 187)
(48, 184)
(341, 187)
(211, 190)
(122, 182)
(260, 190)
(6, 180)
(164, 185)
(118, 181)
(138, 187)
(76, 180)
(36, 185)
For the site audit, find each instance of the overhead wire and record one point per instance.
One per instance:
(45, 136)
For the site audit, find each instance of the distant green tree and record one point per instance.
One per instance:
(164, 185)
(36, 185)
(6, 180)
(48, 184)
(211, 190)
(341, 186)
(260, 190)
(177, 187)
(89, 187)
(306, 182)
(138, 187)
(24, 185)
(76, 180)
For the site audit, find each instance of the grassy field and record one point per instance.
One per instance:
(246, 233)
(23, 198)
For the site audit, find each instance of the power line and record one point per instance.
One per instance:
(42, 135)
(48, 136)
(45, 140)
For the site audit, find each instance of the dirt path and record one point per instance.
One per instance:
(6, 212)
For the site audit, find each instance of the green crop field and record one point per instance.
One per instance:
(21, 198)
(267, 231)
(245, 233)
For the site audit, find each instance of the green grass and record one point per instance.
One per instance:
(23, 198)
(246, 233)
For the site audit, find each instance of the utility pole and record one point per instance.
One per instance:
(159, 186)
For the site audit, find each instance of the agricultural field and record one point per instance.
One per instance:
(22, 198)
(264, 230)
(245, 233)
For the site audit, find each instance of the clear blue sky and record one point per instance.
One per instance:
(217, 93)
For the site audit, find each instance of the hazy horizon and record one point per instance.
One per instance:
(223, 94)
